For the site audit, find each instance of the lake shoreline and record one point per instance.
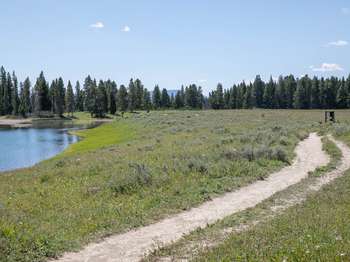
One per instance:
(29, 122)
(16, 123)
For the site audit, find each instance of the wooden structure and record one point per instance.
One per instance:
(329, 116)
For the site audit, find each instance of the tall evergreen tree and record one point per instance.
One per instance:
(69, 99)
(139, 93)
(343, 96)
(79, 97)
(132, 96)
(270, 94)
(178, 103)
(3, 85)
(59, 97)
(258, 89)
(147, 103)
(157, 97)
(14, 96)
(248, 97)
(90, 92)
(24, 102)
(112, 98)
(315, 93)
(122, 99)
(7, 107)
(165, 99)
(42, 100)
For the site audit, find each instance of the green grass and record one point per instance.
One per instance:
(100, 137)
(138, 170)
(333, 151)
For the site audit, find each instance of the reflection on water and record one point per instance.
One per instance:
(28, 146)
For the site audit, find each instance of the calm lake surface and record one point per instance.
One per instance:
(24, 147)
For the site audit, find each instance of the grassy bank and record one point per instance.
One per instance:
(100, 137)
(139, 169)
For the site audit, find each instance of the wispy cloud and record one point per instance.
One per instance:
(326, 67)
(345, 11)
(338, 43)
(202, 81)
(126, 29)
(98, 25)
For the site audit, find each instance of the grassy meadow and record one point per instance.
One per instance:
(141, 168)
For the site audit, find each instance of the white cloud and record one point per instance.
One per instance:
(126, 29)
(326, 67)
(202, 81)
(345, 11)
(338, 43)
(98, 25)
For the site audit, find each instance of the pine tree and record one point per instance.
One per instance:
(112, 98)
(90, 91)
(315, 93)
(59, 97)
(122, 99)
(132, 95)
(300, 100)
(24, 99)
(200, 98)
(258, 89)
(165, 99)
(42, 101)
(79, 98)
(147, 103)
(157, 97)
(178, 103)
(219, 96)
(139, 93)
(248, 98)
(291, 86)
(69, 99)
(270, 95)
(3, 84)
(342, 96)
(100, 105)
(281, 93)
(14, 95)
(7, 108)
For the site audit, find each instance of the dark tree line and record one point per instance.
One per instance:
(285, 93)
(97, 97)
(102, 97)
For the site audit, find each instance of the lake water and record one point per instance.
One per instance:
(24, 147)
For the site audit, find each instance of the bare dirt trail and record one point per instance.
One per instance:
(133, 245)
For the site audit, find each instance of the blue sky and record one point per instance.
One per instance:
(175, 42)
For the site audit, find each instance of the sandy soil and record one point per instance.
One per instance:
(15, 122)
(133, 245)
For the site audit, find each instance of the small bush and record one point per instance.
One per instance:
(284, 141)
(248, 153)
(129, 182)
(231, 154)
(341, 129)
(301, 135)
(227, 140)
(279, 154)
(198, 165)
